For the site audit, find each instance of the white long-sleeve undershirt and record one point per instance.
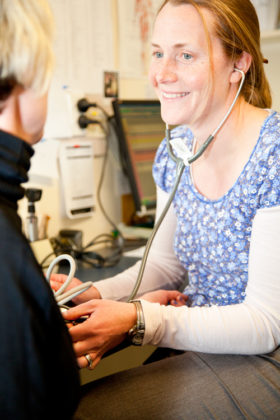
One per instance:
(251, 327)
(163, 270)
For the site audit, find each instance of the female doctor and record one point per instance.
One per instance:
(223, 227)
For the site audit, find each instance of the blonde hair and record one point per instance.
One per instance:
(237, 27)
(26, 54)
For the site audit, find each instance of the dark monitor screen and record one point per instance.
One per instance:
(140, 130)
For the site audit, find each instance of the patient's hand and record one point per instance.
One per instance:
(166, 297)
(57, 281)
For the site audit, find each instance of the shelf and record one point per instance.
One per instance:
(275, 34)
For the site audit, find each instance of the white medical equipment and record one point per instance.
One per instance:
(77, 177)
(184, 158)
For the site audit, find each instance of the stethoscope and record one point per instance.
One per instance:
(183, 159)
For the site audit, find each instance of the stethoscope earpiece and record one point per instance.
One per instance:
(240, 71)
(184, 158)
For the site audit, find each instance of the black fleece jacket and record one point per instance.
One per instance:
(38, 372)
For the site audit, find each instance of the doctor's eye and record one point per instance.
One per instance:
(157, 54)
(184, 57)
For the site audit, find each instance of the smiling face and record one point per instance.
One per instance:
(180, 69)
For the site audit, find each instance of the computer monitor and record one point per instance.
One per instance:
(140, 130)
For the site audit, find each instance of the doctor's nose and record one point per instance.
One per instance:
(165, 72)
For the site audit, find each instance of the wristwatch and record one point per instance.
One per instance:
(136, 333)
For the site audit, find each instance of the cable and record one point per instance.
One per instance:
(71, 272)
(61, 297)
(83, 105)
(101, 179)
(233, 103)
(86, 254)
(180, 166)
(193, 158)
(179, 169)
(72, 293)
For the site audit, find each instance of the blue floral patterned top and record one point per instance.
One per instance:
(212, 237)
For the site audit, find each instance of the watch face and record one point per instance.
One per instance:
(137, 337)
(136, 333)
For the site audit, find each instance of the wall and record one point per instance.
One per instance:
(271, 50)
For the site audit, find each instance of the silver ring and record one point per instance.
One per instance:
(89, 360)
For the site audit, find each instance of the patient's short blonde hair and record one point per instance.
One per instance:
(26, 54)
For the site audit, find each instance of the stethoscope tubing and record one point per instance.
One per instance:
(61, 296)
(180, 167)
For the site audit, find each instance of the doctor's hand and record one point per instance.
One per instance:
(166, 297)
(57, 280)
(107, 325)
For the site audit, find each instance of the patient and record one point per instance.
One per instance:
(38, 371)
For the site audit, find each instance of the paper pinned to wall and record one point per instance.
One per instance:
(83, 50)
(83, 42)
(135, 24)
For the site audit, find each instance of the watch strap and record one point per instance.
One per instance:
(136, 333)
